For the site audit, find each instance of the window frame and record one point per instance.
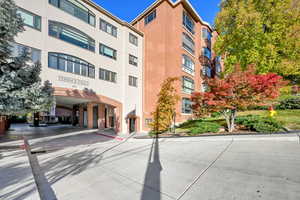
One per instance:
(15, 45)
(89, 12)
(204, 52)
(185, 89)
(186, 68)
(135, 38)
(106, 55)
(132, 62)
(60, 27)
(132, 81)
(75, 63)
(185, 36)
(147, 18)
(112, 76)
(106, 24)
(35, 17)
(184, 104)
(187, 17)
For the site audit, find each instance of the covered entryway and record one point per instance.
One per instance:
(89, 109)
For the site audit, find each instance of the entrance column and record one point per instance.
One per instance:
(101, 113)
(118, 120)
(81, 110)
(90, 115)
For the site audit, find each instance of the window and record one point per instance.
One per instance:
(186, 106)
(70, 64)
(206, 34)
(107, 51)
(206, 52)
(30, 19)
(19, 50)
(188, 43)
(133, 39)
(76, 9)
(133, 60)
(108, 28)
(149, 18)
(133, 81)
(188, 22)
(188, 65)
(206, 70)
(187, 85)
(71, 35)
(107, 75)
(204, 87)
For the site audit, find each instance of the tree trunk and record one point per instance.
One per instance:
(232, 120)
(36, 119)
(230, 116)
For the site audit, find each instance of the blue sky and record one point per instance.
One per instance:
(128, 9)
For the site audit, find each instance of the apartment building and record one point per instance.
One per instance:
(178, 43)
(93, 60)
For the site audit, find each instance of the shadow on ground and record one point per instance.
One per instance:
(151, 187)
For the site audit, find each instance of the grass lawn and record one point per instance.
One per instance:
(289, 118)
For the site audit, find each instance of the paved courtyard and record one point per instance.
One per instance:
(91, 166)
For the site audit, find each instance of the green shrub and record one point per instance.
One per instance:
(290, 103)
(215, 114)
(259, 124)
(204, 127)
(189, 123)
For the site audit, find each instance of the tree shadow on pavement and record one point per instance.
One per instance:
(70, 164)
(151, 187)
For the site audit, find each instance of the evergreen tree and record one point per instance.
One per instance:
(21, 90)
(264, 33)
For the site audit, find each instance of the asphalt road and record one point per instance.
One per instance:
(242, 168)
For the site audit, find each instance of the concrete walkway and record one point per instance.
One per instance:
(243, 168)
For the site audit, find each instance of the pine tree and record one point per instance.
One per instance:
(21, 90)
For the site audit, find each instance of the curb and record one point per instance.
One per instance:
(111, 136)
(222, 135)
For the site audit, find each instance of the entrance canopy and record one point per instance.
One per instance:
(69, 101)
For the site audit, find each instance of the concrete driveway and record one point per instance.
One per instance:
(240, 167)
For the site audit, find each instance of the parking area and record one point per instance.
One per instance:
(249, 167)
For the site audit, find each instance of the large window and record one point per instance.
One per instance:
(107, 51)
(188, 85)
(19, 50)
(133, 60)
(70, 64)
(206, 71)
(107, 75)
(76, 9)
(150, 17)
(188, 22)
(186, 106)
(108, 28)
(133, 81)
(71, 35)
(188, 43)
(133, 39)
(30, 19)
(206, 52)
(206, 34)
(188, 65)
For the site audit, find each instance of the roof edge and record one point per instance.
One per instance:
(174, 4)
(108, 14)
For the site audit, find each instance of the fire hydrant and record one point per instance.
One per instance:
(272, 112)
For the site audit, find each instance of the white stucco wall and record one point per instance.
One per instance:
(130, 97)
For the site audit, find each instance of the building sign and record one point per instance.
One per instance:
(73, 81)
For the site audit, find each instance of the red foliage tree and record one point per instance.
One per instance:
(236, 91)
